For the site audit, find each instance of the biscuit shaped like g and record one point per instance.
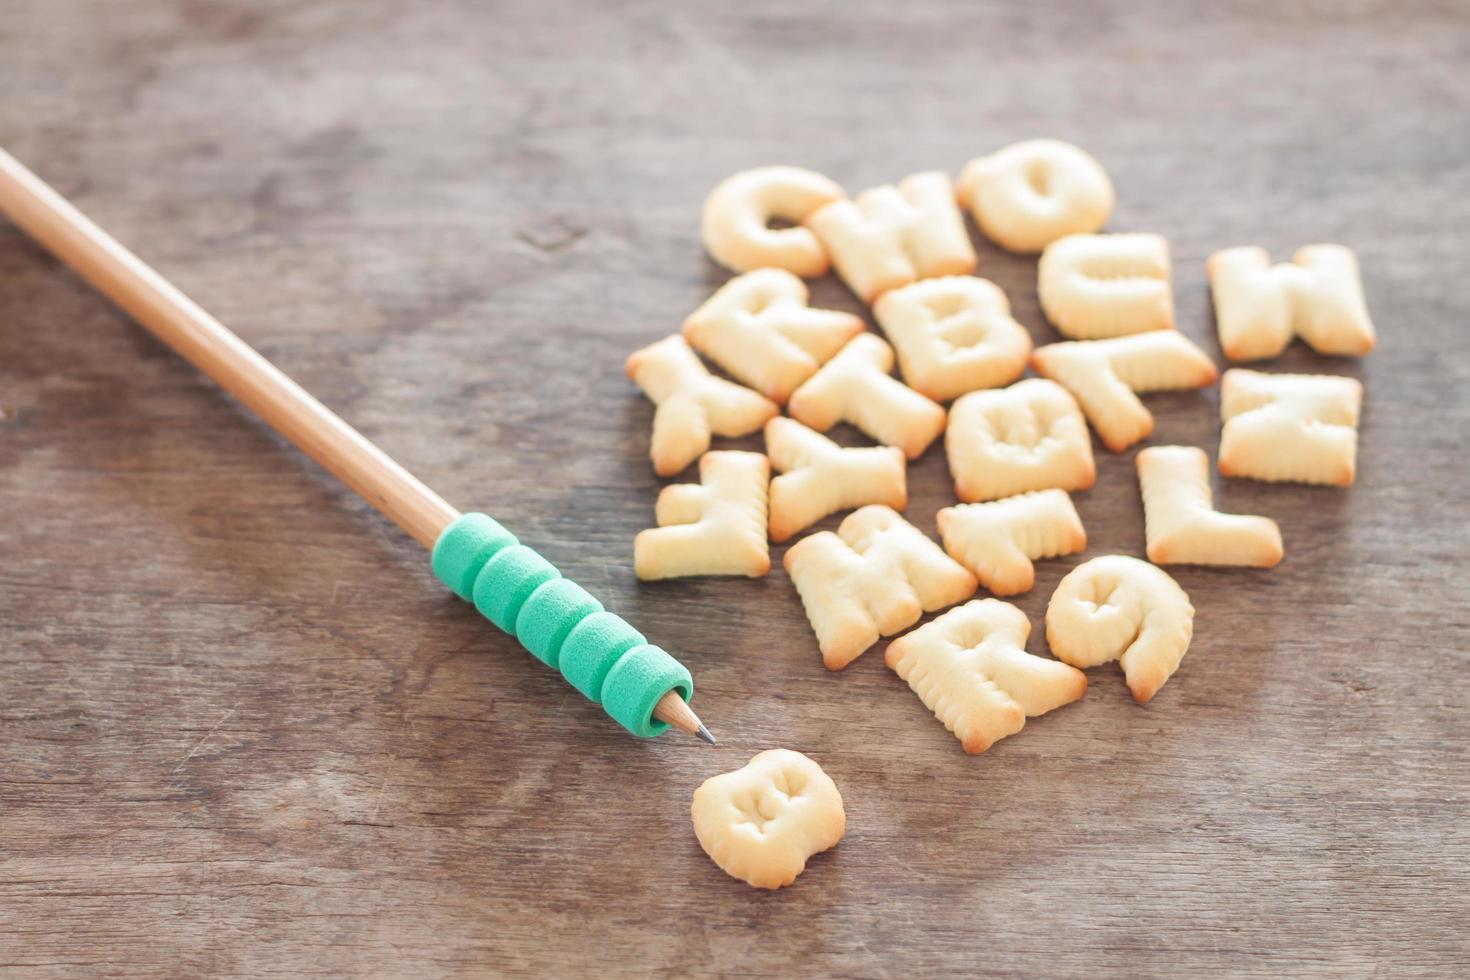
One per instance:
(761, 823)
(1030, 436)
(998, 541)
(737, 220)
(1298, 428)
(714, 527)
(1027, 195)
(819, 477)
(1095, 286)
(1317, 296)
(1120, 608)
(1183, 526)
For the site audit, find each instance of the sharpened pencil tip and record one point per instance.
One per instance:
(703, 733)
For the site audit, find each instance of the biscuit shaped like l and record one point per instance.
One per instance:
(1104, 376)
(820, 477)
(855, 387)
(1182, 525)
(714, 527)
(1120, 608)
(1317, 296)
(1297, 428)
(1027, 195)
(692, 403)
(891, 236)
(876, 576)
(759, 329)
(998, 541)
(736, 225)
(1095, 286)
(762, 822)
(953, 335)
(970, 668)
(1030, 436)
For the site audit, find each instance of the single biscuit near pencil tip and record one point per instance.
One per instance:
(1317, 296)
(1097, 286)
(1182, 525)
(1292, 428)
(1030, 436)
(714, 527)
(736, 224)
(1029, 194)
(999, 540)
(819, 477)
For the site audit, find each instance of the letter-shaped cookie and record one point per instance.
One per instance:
(692, 403)
(1290, 428)
(970, 668)
(737, 220)
(876, 576)
(762, 822)
(954, 334)
(1029, 194)
(1030, 436)
(1095, 286)
(820, 477)
(891, 236)
(1120, 608)
(1317, 296)
(759, 329)
(714, 527)
(855, 387)
(1183, 526)
(1103, 375)
(998, 541)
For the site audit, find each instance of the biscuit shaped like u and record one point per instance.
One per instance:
(1317, 296)
(714, 527)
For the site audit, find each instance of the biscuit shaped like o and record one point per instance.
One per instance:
(737, 220)
(1027, 195)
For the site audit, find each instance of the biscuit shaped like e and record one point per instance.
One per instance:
(1105, 375)
(1297, 428)
(876, 576)
(970, 668)
(760, 330)
(1095, 286)
(762, 822)
(1120, 608)
(1317, 296)
(736, 225)
(953, 335)
(1030, 436)
(1182, 525)
(999, 541)
(714, 527)
(891, 236)
(692, 403)
(819, 477)
(1027, 195)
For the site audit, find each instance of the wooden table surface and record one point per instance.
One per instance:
(243, 729)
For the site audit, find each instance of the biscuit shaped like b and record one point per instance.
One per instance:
(714, 527)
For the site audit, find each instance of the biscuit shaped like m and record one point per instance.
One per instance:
(1030, 436)
(819, 477)
(1297, 428)
(1095, 286)
(970, 668)
(714, 527)
(1120, 608)
(1027, 195)
(1105, 375)
(998, 541)
(1182, 525)
(1317, 296)
(953, 335)
(736, 225)
(876, 576)
(692, 403)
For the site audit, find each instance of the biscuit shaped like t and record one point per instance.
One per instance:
(1317, 296)
(736, 225)
(714, 527)
(1027, 195)
(998, 541)
(1298, 428)
(1030, 436)
(820, 477)
(1095, 286)
(1182, 525)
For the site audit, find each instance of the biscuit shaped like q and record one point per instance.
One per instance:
(1182, 525)
(998, 541)
(1297, 428)
(714, 527)
(1317, 296)
(819, 477)
(1030, 436)
(1027, 195)
(737, 220)
(1095, 286)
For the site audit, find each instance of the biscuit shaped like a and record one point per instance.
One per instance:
(876, 576)
(737, 220)
(1105, 375)
(970, 668)
(1296, 428)
(999, 541)
(953, 335)
(1317, 296)
(891, 236)
(819, 477)
(1120, 608)
(692, 403)
(855, 387)
(1030, 436)
(714, 527)
(1183, 526)
(762, 822)
(1027, 195)
(1096, 286)
(760, 330)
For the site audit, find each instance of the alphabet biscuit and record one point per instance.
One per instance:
(1029, 194)
(1317, 296)
(1096, 286)
(820, 477)
(1030, 436)
(1182, 525)
(714, 527)
(737, 220)
(1298, 428)
(999, 540)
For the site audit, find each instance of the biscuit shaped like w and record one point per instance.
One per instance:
(891, 236)
(736, 225)
(714, 527)
(1183, 526)
(998, 541)
(692, 403)
(762, 822)
(1120, 608)
(1027, 195)
(954, 334)
(1095, 286)
(1030, 436)
(1317, 296)
(970, 668)
(876, 576)
(1297, 428)
(1104, 376)
(819, 477)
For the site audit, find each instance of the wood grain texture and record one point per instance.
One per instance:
(245, 732)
